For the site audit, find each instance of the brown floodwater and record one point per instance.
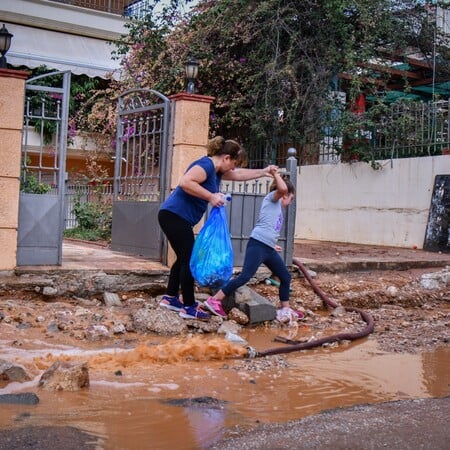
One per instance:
(137, 396)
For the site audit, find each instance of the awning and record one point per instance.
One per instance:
(33, 47)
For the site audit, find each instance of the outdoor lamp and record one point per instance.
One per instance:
(191, 69)
(5, 43)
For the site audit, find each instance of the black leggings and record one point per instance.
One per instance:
(180, 234)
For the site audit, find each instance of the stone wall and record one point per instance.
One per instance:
(355, 203)
(12, 89)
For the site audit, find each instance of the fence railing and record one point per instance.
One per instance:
(404, 130)
(111, 6)
(415, 129)
(84, 193)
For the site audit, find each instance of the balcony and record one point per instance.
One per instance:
(110, 6)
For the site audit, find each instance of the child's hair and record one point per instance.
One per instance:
(219, 146)
(289, 185)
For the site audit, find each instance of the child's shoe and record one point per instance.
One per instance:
(215, 306)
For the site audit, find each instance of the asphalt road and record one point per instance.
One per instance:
(401, 425)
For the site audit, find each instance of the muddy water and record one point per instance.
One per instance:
(137, 396)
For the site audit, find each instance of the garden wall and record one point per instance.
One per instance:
(355, 203)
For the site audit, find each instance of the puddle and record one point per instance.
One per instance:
(187, 394)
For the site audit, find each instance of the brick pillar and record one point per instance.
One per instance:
(12, 94)
(190, 130)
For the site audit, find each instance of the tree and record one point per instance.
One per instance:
(270, 64)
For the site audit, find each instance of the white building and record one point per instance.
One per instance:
(73, 35)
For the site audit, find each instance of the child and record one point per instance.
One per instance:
(262, 248)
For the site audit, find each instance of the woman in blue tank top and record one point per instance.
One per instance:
(185, 207)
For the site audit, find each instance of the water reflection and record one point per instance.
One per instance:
(146, 406)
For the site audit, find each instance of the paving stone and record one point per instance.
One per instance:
(255, 306)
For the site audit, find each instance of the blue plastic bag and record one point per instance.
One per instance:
(212, 256)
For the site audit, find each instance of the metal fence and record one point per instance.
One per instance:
(412, 130)
(111, 6)
(84, 193)
(127, 8)
(403, 130)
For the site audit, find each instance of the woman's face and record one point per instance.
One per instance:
(227, 164)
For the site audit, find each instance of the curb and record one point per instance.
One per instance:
(361, 266)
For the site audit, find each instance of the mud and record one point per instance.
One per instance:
(408, 319)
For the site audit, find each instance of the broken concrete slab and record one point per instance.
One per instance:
(255, 306)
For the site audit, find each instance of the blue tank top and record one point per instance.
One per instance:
(187, 206)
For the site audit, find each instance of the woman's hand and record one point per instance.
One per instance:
(271, 170)
(217, 199)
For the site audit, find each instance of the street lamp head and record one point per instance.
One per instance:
(191, 71)
(5, 43)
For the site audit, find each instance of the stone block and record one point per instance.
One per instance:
(8, 244)
(191, 119)
(183, 155)
(10, 149)
(111, 299)
(11, 103)
(255, 306)
(9, 202)
(65, 376)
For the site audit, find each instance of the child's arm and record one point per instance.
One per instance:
(281, 186)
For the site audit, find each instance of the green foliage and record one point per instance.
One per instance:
(93, 216)
(31, 185)
(269, 64)
(44, 105)
(267, 59)
(88, 235)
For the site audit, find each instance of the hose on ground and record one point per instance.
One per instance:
(297, 345)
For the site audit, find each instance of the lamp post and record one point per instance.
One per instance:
(191, 70)
(5, 43)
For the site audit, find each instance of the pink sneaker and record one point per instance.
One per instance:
(215, 306)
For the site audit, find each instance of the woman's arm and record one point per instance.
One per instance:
(241, 174)
(191, 184)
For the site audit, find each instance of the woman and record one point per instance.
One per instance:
(186, 205)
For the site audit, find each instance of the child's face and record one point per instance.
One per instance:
(287, 199)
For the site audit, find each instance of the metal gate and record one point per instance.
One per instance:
(140, 172)
(43, 170)
(243, 212)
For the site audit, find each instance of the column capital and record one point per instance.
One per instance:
(191, 97)
(10, 73)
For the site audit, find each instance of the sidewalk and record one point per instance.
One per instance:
(319, 256)
(343, 257)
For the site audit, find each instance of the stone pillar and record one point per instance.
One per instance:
(190, 131)
(12, 95)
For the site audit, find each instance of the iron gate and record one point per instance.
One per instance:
(43, 169)
(140, 172)
(243, 212)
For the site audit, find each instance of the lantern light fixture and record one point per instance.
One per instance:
(5, 43)
(191, 71)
